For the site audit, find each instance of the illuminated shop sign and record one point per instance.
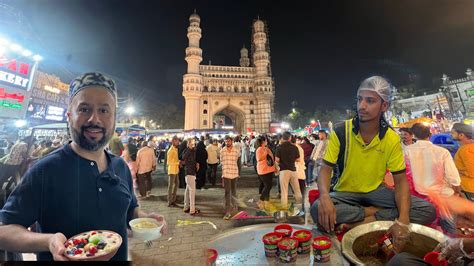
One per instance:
(14, 73)
(46, 112)
(17, 68)
(12, 102)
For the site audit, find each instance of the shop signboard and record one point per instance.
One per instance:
(16, 74)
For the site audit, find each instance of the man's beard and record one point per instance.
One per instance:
(90, 145)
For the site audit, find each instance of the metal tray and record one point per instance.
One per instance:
(243, 246)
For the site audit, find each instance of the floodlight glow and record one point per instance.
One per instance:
(130, 110)
(37, 57)
(20, 123)
(15, 47)
(26, 53)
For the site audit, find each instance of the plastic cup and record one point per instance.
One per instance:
(211, 257)
(313, 195)
(284, 230)
(432, 258)
(304, 246)
(321, 249)
(270, 243)
(288, 252)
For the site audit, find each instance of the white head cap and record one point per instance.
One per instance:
(379, 85)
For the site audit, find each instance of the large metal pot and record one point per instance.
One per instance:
(350, 237)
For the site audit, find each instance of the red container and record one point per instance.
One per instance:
(270, 242)
(288, 253)
(211, 256)
(304, 246)
(313, 195)
(432, 258)
(322, 249)
(284, 230)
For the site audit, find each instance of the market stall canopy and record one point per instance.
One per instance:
(410, 123)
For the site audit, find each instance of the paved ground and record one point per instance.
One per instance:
(185, 245)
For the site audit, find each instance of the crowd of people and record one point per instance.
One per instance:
(364, 170)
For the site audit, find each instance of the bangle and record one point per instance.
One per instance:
(461, 246)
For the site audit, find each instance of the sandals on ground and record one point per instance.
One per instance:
(196, 211)
(186, 210)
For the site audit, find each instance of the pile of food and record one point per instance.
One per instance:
(92, 244)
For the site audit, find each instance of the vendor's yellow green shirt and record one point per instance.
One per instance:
(365, 165)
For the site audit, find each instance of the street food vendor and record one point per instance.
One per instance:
(363, 148)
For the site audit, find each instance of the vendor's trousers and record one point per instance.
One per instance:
(406, 259)
(350, 207)
(144, 183)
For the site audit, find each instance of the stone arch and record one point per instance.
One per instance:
(204, 102)
(250, 89)
(204, 111)
(205, 89)
(236, 114)
(236, 89)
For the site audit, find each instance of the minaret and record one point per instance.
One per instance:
(192, 80)
(244, 57)
(263, 80)
(260, 57)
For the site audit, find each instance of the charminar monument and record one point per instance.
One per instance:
(243, 93)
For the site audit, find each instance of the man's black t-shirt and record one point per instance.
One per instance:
(65, 193)
(288, 153)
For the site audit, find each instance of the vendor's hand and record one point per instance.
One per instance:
(326, 213)
(56, 247)
(161, 219)
(450, 250)
(400, 233)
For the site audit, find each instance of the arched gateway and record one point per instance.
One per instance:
(244, 93)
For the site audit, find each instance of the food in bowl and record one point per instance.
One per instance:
(100, 244)
(146, 228)
(145, 224)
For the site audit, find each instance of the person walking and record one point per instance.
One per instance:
(201, 158)
(230, 172)
(146, 164)
(191, 165)
(265, 169)
(286, 156)
(213, 151)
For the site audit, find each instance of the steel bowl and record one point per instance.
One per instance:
(351, 236)
(280, 216)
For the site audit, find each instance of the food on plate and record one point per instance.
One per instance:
(92, 244)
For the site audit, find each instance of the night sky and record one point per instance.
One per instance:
(320, 50)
